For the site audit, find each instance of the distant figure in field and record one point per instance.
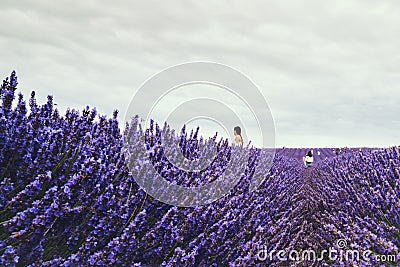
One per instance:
(319, 153)
(308, 159)
(238, 135)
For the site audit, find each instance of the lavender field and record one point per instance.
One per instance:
(67, 198)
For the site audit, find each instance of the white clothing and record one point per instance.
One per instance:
(240, 142)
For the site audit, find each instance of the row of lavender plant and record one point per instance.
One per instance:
(67, 196)
(361, 199)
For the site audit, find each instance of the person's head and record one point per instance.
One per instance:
(237, 131)
(309, 153)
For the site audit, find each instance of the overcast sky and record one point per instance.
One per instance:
(329, 71)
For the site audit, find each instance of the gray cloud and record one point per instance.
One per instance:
(330, 71)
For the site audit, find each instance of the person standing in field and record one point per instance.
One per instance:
(238, 135)
(308, 159)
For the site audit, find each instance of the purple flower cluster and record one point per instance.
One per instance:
(68, 198)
